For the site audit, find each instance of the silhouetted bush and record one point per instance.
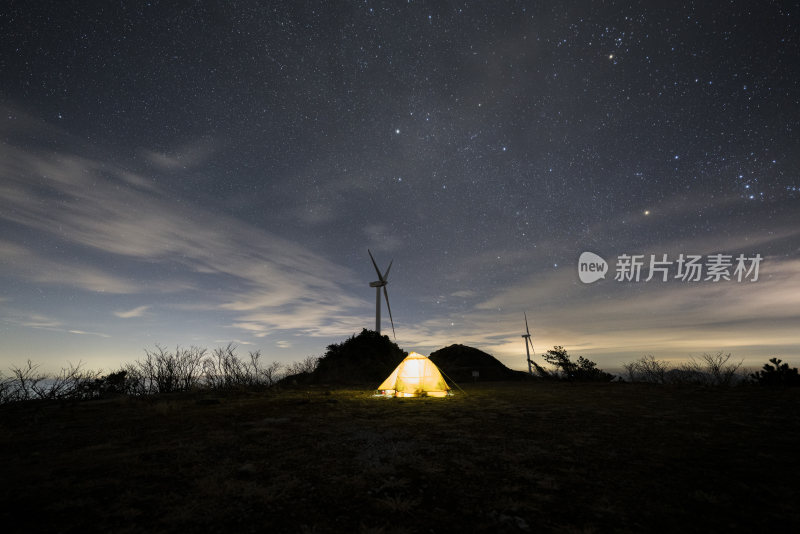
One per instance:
(541, 372)
(114, 383)
(103, 386)
(4, 388)
(708, 370)
(776, 374)
(28, 383)
(160, 371)
(366, 357)
(307, 365)
(647, 369)
(583, 369)
(225, 370)
(73, 382)
(25, 381)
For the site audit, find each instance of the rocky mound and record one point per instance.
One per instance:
(459, 361)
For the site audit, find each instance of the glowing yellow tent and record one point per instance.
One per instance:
(416, 376)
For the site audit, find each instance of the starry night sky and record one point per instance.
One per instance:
(195, 173)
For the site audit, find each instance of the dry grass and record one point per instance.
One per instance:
(503, 458)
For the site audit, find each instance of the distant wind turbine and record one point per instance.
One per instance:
(381, 283)
(527, 336)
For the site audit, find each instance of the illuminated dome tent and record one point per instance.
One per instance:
(416, 376)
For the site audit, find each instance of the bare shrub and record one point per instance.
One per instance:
(73, 382)
(647, 369)
(27, 383)
(265, 376)
(135, 382)
(5, 388)
(722, 373)
(189, 364)
(162, 371)
(225, 370)
(630, 371)
(708, 370)
(689, 372)
(24, 381)
(307, 365)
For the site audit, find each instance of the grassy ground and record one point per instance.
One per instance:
(506, 457)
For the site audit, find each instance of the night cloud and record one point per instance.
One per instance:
(135, 312)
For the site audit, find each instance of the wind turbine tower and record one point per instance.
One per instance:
(378, 284)
(527, 336)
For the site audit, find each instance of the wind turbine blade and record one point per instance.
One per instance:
(386, 294)
(386, 274)
(375, 265)
(526, 324)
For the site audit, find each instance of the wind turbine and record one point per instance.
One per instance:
(527, 336)
(381, 283)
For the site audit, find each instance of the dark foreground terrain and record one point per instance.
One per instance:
(505, 457)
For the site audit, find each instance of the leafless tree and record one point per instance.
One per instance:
(73, 382)
(161, 371)
(722, 373)
(224, 370)
(5, 389)
(709, 369)
(25, 381)
(262, 376)
(270, 374)
(647, 369)
(135, 382)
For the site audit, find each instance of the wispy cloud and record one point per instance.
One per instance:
(234, 341)
(135, 312)
(29, 265)
(267, 283)
(82, 333)
(44, 322)
(35, 320)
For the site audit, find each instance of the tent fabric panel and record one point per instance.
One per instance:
(390, 382)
